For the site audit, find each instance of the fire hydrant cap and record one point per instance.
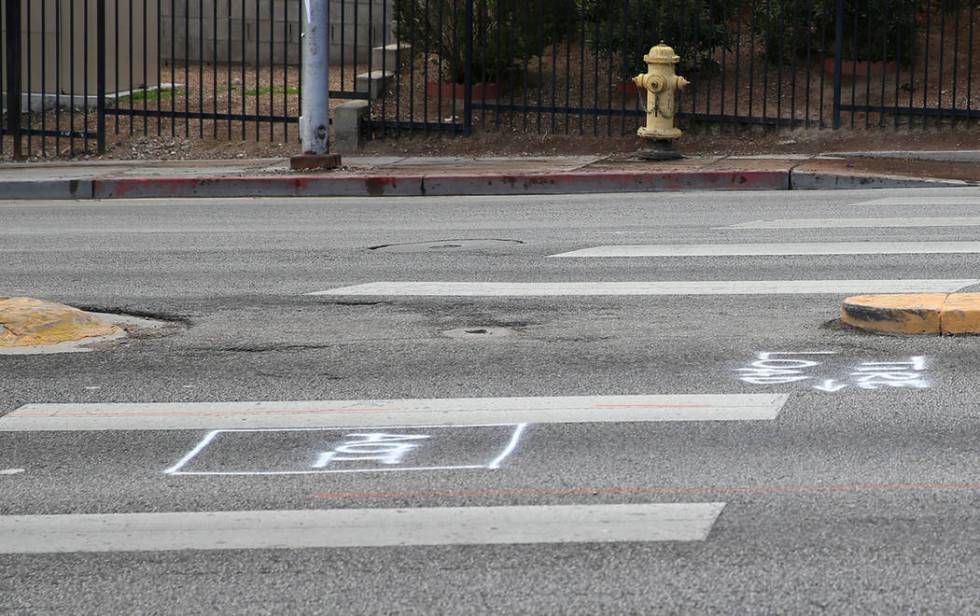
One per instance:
(661, 54)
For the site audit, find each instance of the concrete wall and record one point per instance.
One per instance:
(188, 29)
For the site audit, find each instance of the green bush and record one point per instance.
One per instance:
(628, 29)
(873, 29)
(505, 32)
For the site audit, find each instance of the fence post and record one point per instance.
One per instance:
(838, 59)
(468, 72)
(14, 94)
(100, 18)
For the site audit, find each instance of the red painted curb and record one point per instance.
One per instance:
(434, 184)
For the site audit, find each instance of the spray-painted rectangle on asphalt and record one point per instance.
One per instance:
(405, 412)
(316, 451)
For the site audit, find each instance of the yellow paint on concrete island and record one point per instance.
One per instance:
(961, 314)
(27, 322)
(914, 313)
(907, 313)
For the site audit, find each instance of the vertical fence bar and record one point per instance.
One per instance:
(956, 61)
(85, 75)
(30, 89)
(258, 68)
(132, 59)
(942, 61)
(71, 77)
(187, 68)
(100, 17)
(969, 63)
(44, 75)
(468, 72)
(752, 37)
(712, 7)
(925, 69)
(272, 70)
(870, 71)
(173, 68)
(200, 67)
(620, 76)
(540, 52)
(898, 72)
(229, 88)
(838, 60)
(146, 67)
(765, 64)
(12, 19)
(4, 90)
(57, 78)
(854, 64)
(214, 66)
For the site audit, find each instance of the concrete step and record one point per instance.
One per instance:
(387, 57)
(373, 83)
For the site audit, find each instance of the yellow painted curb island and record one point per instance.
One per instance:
(914, 313)
(28, 322)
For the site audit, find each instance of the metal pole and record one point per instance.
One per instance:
(314, 123)
(12, 19)
(838, 60)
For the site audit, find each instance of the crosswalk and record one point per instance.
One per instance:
(406, 428)
(444, 435)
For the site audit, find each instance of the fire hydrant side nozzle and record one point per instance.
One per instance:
(661, 83)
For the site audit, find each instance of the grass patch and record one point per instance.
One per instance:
(151, 95)
(267, 90)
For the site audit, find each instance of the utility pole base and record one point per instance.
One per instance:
(663, 149)
(314, 162)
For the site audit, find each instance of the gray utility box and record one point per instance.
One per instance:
(58, 39)
(268, 31)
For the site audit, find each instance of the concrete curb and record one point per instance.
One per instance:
(28, 322)
(450, 184)
(809, 180)
(914, 313)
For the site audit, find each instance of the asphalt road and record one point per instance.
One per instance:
(859, 496)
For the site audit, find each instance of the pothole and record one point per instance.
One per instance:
(450, 245)
(478, 333)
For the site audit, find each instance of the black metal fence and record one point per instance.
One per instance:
(81, 76)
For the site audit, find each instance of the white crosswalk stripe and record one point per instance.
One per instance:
(706, 287)
(859, 223)
(774, 249)
(369, 413)
(922, 201)
(224, 530)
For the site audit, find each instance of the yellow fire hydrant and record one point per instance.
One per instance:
(661, 83)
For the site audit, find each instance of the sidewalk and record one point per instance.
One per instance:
(376, 176)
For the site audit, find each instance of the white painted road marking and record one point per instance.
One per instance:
(345, 528)
(477, 459)
(371, 413)
(922, 201)
(774, 249)
(11, 471)
(707, 287)
(859, 223)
